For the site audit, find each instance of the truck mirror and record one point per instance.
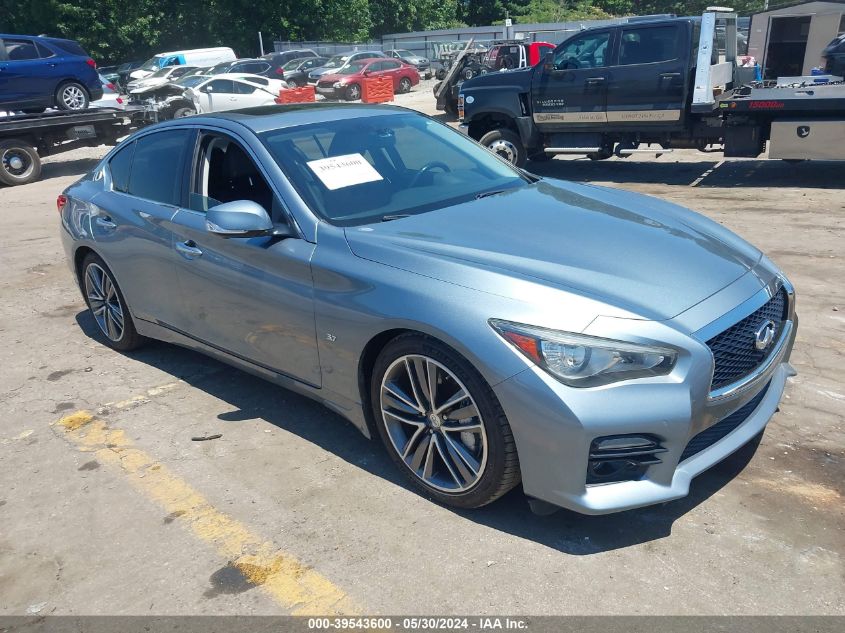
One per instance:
(549, 62)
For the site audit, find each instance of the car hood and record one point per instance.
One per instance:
(639, 254)
(336, 77)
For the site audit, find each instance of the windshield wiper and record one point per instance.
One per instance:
(485, 194)
(395, 216)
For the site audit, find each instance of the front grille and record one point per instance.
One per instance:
(733, 350)
(713, 434)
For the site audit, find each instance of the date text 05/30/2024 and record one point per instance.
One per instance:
(418, 623)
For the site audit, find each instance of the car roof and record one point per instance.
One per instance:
(276, 117)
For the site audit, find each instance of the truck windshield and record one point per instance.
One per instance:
(361, 170)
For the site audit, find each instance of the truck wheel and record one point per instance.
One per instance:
(440, 74)
(507, 144)
(71, 96)
(19, 163)
(468, 73)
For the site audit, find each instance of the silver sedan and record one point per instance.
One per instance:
(491, 327)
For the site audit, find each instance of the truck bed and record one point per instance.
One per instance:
(819, 99)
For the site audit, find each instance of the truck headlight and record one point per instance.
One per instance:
(579, 360)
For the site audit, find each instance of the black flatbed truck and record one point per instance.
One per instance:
(666, 84)
(24, 139)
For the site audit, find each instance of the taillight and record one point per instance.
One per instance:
(61, 201)
(91, 62)
(119, 100)
(110, 86)
(280, 71)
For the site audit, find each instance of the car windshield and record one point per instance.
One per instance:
(403, 53)
(150, 64)
(293, 64)
(352, 69)
(191, 80)
(337, 61)
(362, 170)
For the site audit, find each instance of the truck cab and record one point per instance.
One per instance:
(600, 87)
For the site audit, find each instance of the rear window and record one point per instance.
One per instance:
(20, 50)
(119, 168)
(69, 46)
(156, 166)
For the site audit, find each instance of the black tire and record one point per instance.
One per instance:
(183, 111)
(129, 338)
(507, 144)
(72, 95)
(353, 92)
(404, 85)
(468, 73)
(440, 74)
(501, 471)
(19, 163)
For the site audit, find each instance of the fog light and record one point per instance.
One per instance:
(616, 458)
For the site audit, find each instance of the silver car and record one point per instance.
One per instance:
(491, 327)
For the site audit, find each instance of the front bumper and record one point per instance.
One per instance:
(329, 92)
(554, 426)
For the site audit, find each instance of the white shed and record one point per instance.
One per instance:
(788, 40)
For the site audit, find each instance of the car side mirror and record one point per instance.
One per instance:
(240, 218)
(366, 73)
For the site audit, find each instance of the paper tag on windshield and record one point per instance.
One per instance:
(337, 172)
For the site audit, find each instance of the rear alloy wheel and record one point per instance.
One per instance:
(71, 96)
(353, 92)
(108, 306)
(19, 163)
(507, 144)
(404, 85)
(442, 424)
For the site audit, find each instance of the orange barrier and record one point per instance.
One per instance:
(377, 90)
(296, 95)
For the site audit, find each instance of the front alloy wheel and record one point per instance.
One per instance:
(433, 423)
(441, 423)
(353, 92)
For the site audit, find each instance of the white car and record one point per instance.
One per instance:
(111, 96)
(159, 78)
(234, 91)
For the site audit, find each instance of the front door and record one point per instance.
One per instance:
(572, 94)
(26, 74)
(250, 297)
(647, 85)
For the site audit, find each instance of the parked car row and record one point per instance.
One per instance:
(37, 73)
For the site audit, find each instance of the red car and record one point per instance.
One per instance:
(347, 82)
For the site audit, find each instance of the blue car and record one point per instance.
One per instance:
(45, 72)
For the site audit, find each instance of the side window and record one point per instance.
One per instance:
(648, 45)
(222, 86)
(119, 168)
(227, 173)
(21, 50)
(43, 51)
(587, 51)
(243, 89)
(157, 166)
(390, 65)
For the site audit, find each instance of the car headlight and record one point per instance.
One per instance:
(579, 360)
(338, 84)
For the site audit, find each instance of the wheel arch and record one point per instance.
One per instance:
(480, 124)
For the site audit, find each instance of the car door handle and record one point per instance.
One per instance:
(188, 249)
(670, 75)
(105, 222)
(594, 81)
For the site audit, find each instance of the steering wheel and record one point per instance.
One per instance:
(427, 167)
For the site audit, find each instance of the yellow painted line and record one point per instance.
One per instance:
(293, 585)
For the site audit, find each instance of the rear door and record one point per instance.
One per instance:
(390, 68)
(647, 83)
(572, 95)
(133, 224)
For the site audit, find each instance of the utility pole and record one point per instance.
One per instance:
(261, 43)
